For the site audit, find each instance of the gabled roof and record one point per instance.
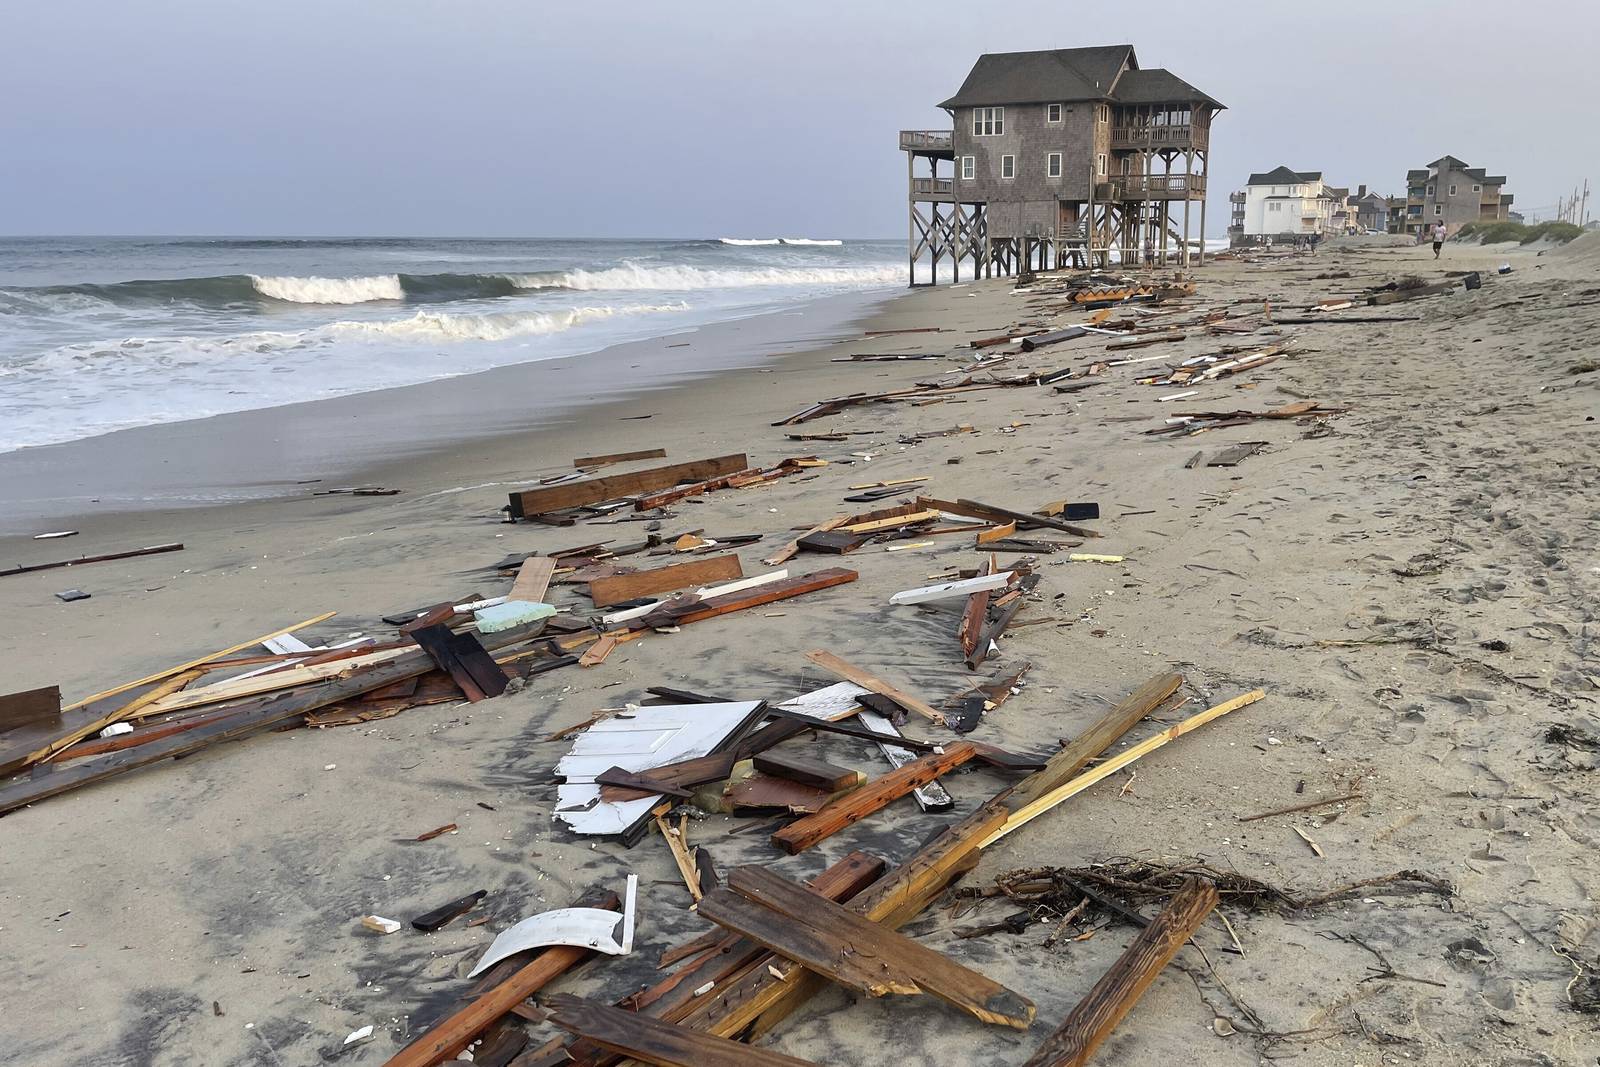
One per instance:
(1058, 75)
(1416, 175)
(1158, 86)
(1452, 161)
(1285, 176)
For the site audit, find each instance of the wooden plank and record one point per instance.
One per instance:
(463, 657)
(1119, 989)
(652, 1041)
(1101, 735)
(914, 518)
(619, 457)
(894, 962)
(149, 550)
(1233, 455)
(598, 490)
(620, 587)
(31, 707)
(826, 951)
(839, 668)
(711, 607)
(807, 771)
(1042, 803)
(256, 684)
(533, 579)
(452, 1034)
(596, 653)
(874, 796)
(788, 551)
(260, 714)
(976, 611)
(998, 514)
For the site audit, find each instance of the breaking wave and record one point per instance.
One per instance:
(493, 326)
(745, 242)
(330, 290)
(637, 276)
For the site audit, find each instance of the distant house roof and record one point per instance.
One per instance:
(1060, 75)
(1158, 86)
(1450, 161)
(1416, 175)
(1285, 176)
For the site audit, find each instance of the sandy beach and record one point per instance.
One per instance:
(1412, 583)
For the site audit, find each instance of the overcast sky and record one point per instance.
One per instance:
(548, 117)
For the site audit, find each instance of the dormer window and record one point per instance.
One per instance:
(988, 121)
(1052, 114)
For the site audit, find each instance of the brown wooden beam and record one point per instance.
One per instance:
(598, 490)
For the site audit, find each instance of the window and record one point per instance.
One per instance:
(969, 168)
(1052, 165)
(1100, 164)
(1430, 190)
(1052, 113)
(1104, 113)
(1477, 188)
(1008, 166)
(1452, 189)
(1438, 209)
(988, 121)
(1275, 206)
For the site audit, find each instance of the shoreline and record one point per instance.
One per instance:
(1408, 576)
(385, 436)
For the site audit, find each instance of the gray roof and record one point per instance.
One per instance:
(1057, 75)
(1158, 86)
(1064, 75)
(1284, 176)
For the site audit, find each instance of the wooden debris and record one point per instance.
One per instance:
(454, 1033)
(998, 514)
(441, 916)
(787, 551)
(596, 653)
(1307, 806)
(649, 1040)
(1236, 454)
(463, 657)
(681, 614)
(616, 589)
(533, 579)
(438, 831)
(81, 560)
(813, 772)
(874, 796)
(840, 669)
(619, 457)
(846, 947)
(1119, 989)
(530, 502)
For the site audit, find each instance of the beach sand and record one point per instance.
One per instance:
(1359, 570)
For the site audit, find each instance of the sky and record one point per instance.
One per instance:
(703, 119)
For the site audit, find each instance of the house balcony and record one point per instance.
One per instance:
(1151, 187)
(938, 143)
(939, 190)
(1236, 198)
(1159, 137)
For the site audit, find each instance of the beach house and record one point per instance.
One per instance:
(1449, 191)
(1060, 157)
(1286, 204)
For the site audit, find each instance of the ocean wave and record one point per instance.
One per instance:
(636, 276)
(493, 326)
(743, 242)
(313, 290)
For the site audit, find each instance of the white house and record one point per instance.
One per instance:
(1285, 203)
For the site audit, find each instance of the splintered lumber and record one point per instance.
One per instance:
(1142, 342)
(598, 490)
(995, 514)
(759, 999)
(149, 550)
(891, 522)
(463, 657)
(101, 722)
(455, 1032)
(976, 611)
(1120, 988)
(807, 771)
(680, 614)
(619, 457)
(620, 587)
(840, 669)
(596, 653)
(1101, 735)
(1042, 803)
(651, 1041)
(533, 580)
(256, 715)
(839, 943)
(671, 496)
(1040, 340)
(874, 796)
(788, 550)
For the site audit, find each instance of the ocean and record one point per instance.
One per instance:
(105, 333)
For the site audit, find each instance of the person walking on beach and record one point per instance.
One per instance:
(1438, 238)
(1149, 252)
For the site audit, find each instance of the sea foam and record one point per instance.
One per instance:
(314, 290)
(639, 277)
